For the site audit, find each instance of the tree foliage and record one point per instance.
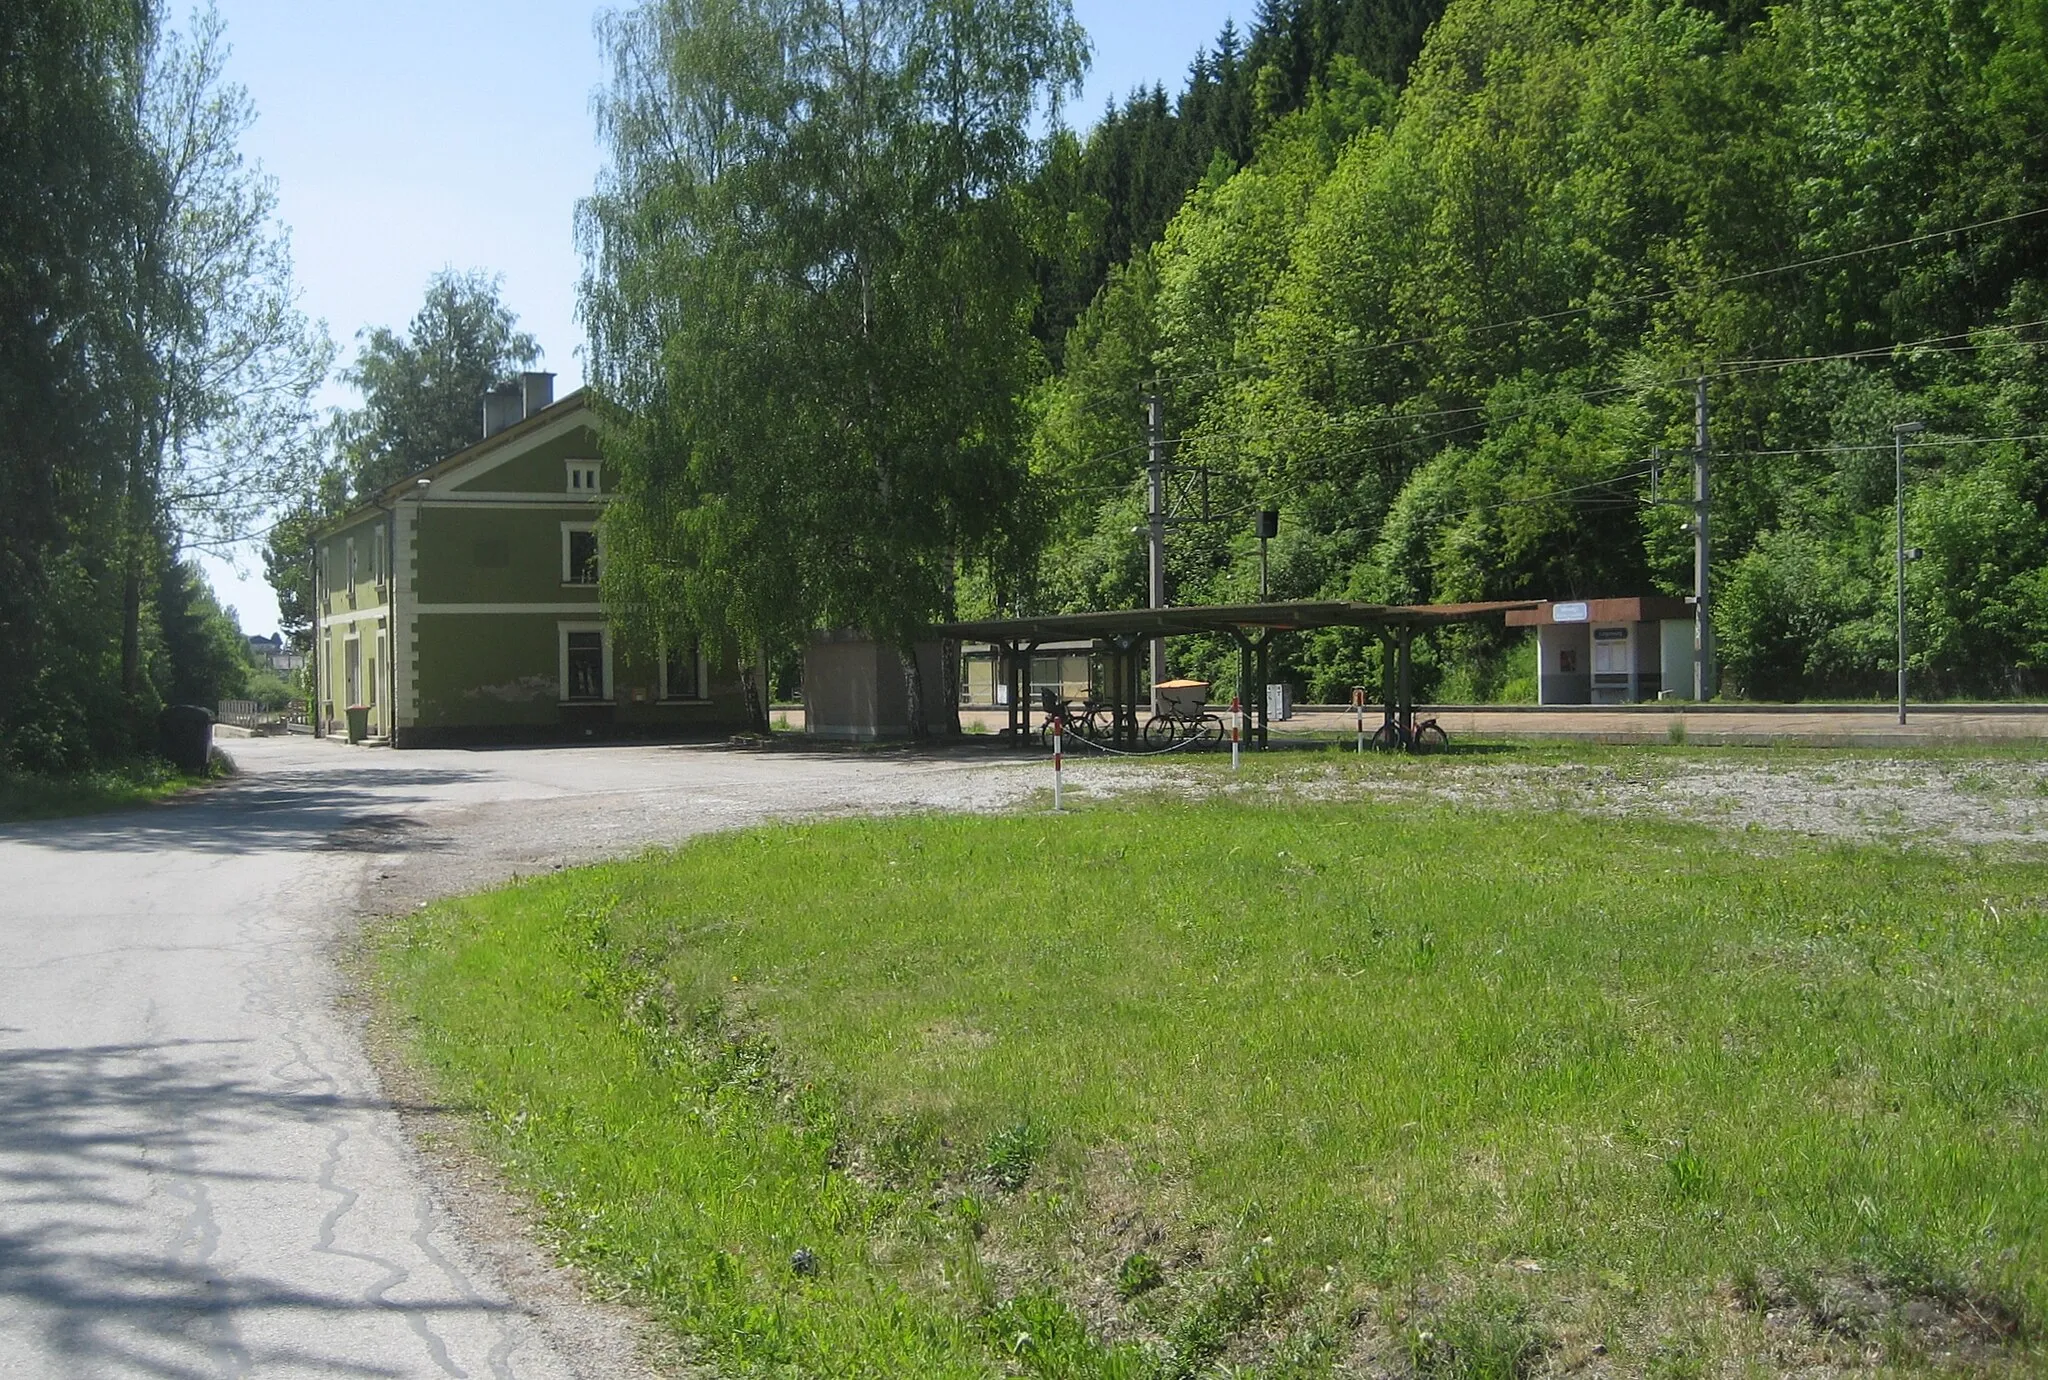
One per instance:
(1445, 331)
(809, 295)
(422, 388)
(155, 372)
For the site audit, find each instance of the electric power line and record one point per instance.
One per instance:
(1632, 300)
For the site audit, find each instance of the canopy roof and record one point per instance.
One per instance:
(1235, 619)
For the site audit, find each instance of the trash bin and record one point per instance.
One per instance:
(184, 734)
(358, 722)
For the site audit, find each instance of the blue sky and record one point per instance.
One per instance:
(407, 137)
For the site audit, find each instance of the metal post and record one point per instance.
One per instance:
(1702, 551)
(1358, 709)
(1407, 690)
(1236, 727)
(1058, 754)
(1155, 525)
(1899, 435)
(1260, 703)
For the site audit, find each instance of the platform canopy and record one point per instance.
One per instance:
(1251, 626)
(1228, 619)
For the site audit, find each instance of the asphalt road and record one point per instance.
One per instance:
(199, 1172)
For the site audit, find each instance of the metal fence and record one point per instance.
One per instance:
(258, 717)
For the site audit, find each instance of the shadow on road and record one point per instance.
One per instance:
(98, 1146)
(279, 810)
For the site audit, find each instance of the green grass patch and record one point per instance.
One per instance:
(115, 787)
(1160, 1088)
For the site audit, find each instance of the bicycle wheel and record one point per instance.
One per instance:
(1045, 735)
(1212, 730)
(1430, 737)
(1160, 731)
(1387, 736)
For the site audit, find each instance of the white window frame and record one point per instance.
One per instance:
(351, 572)
(568, 571)
(583, 478)
(703, 678)
(562, 631)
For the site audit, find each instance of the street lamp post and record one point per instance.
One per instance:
(1899, 434)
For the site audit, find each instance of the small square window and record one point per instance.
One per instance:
(583, 478)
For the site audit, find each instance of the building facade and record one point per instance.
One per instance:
(1610, 651)
(461, 604)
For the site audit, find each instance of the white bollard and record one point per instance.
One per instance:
(1058, 743)
(1236, 728)
(1358, 708)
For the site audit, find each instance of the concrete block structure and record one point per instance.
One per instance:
(856, 689)
(461, 604)
(1610, 651)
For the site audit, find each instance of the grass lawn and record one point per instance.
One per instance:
(1272, 1087)
(94, 792)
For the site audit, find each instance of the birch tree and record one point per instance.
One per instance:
(809, 292)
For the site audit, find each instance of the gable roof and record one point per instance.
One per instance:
(559, 410)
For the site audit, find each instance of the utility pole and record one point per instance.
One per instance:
(1702, 551)
(1899, 435)
(1155, 524)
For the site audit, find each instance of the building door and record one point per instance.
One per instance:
(352, 671)
(1612, 660)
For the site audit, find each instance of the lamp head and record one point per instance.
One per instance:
(1909, 428)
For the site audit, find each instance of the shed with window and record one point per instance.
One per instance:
(1611, 651)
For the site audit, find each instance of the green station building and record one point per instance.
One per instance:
(461, 604)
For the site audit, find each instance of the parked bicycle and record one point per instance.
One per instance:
(1426, 736)
(1183, 715)
(1087, 719)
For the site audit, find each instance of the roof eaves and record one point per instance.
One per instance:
(391, 493)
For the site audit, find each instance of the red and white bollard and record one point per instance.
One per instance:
(1059, 730)
(1236, 728)
(1358, 708)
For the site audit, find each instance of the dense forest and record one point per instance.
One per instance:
(1443, 301)
(156, 373)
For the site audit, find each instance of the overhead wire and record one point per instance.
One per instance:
(1634, 299)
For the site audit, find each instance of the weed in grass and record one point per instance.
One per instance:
(1674, 733)
(1677, 1359)
(1139, 1274)
(1230, 1303)
(1012, 1153)
(1487, 1336)
(1688, 1173)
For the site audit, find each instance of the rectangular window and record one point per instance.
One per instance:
(682, 670)
(586, 664)
(579, 554)
(583, 478)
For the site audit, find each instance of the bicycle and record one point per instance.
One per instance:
(1426, 736)
(1165, 729)
(1089, 719)
(1183, 716)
